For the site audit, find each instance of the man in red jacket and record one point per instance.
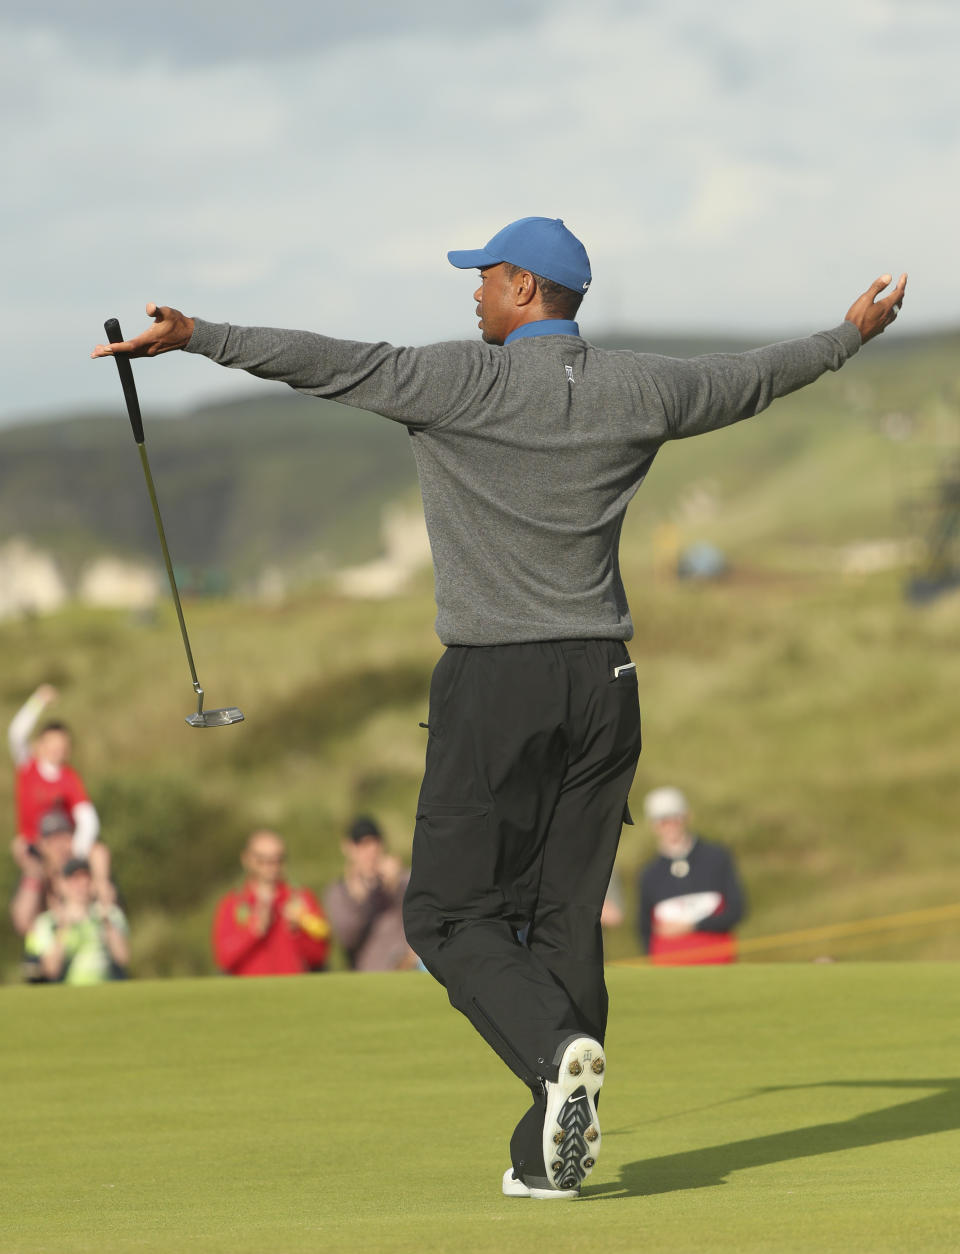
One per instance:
(268, 928)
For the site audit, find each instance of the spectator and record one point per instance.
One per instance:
(690, 895)
(269, 928)
(365, 906)
(79, 940)
(45, 782)
(46, 859)
(612, 913)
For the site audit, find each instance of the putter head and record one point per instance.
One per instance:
(215, 718)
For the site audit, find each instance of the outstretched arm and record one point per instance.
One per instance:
(415, 386)
(706, 393)
(24, 721)
(170, 330)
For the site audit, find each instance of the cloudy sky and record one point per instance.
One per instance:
(746, 166)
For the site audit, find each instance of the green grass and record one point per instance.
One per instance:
(756, 1108)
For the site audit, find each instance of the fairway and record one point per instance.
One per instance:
(776, 1108)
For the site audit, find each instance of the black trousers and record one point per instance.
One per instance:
(531, 753)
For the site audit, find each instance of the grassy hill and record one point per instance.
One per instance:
(809, 713)
(279, 481)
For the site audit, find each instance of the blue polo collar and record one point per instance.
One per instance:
(548, 326)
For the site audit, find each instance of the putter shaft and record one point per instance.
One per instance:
(144, 461)
(202, 718)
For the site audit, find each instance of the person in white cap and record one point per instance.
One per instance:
(530, 444)
(690, 895)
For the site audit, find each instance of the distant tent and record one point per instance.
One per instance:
(701, 561)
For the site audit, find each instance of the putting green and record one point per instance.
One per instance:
(775, 1108)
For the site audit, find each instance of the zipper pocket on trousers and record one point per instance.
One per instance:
(523, 1068)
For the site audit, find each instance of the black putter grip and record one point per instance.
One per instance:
(115, 336)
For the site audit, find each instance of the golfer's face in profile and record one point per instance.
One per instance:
(494, 304)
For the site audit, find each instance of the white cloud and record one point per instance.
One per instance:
(742, 166)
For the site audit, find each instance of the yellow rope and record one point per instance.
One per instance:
(829, 931)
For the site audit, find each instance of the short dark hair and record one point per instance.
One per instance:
(53, 725)
(74, 866)
(362, 828)
(558, 301)
(56, 821)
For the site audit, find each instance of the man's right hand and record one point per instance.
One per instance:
(389, 870)
(170, 330)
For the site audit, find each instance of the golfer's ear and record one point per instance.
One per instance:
(524, 287)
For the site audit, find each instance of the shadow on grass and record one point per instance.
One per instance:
(703, 1168)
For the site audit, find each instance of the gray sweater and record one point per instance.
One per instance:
(528, 454)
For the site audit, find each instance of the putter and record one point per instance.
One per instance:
(202, 718)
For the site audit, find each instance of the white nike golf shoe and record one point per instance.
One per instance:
(571, 1130)
(512, 1187)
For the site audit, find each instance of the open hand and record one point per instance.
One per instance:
(294, 909)
(170, 330)
(389, 871)
(872, 316)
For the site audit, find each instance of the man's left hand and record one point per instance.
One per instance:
(293, 909)
(871, 315)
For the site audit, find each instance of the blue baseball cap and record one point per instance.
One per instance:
(542, 245)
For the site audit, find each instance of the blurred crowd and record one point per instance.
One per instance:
(266, 927)
(65, 905)
(70, 913)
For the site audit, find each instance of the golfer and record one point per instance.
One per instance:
(529, 446)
